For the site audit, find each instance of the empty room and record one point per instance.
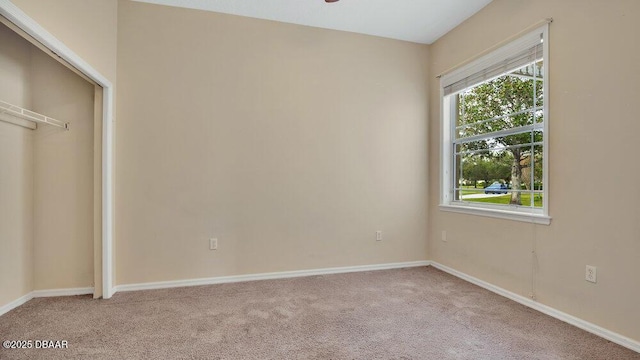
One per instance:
(319, 179)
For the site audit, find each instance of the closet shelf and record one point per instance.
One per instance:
(29, 115)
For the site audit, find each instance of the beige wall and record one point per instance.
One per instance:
(63, 182)
(16, 173)
(15, 59)
(88, 27)
(292, 145)
(16, 212)
(593, 134)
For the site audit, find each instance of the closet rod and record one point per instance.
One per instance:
(29, 115)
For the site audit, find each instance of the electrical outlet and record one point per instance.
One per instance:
(591, 274)
(378, 235)
(444, 235)
(213, 244)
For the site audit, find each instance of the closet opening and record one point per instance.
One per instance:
(51, 183)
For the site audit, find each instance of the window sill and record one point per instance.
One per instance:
(497, 213)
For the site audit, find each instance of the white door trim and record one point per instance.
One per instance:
(28, 25)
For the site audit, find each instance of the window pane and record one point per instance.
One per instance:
(495, 124)
(483, 177)
(507, 176)
(497, 131)
(505, 170)
(458, 177)
(507, 94)
(497, 145)
(529, 71)
(538, 175)
(539, 85)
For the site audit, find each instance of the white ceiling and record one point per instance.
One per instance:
(421, 21)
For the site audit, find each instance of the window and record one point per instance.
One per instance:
(495, 133)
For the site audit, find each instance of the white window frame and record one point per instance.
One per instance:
(447, 202)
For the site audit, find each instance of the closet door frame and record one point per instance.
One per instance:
(12, 13)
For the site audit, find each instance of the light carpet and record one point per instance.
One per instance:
(416, 313)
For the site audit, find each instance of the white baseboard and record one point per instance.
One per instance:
(570, 319)
(62, 292)
(266, 276)
(44, 293)
(15, 303)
